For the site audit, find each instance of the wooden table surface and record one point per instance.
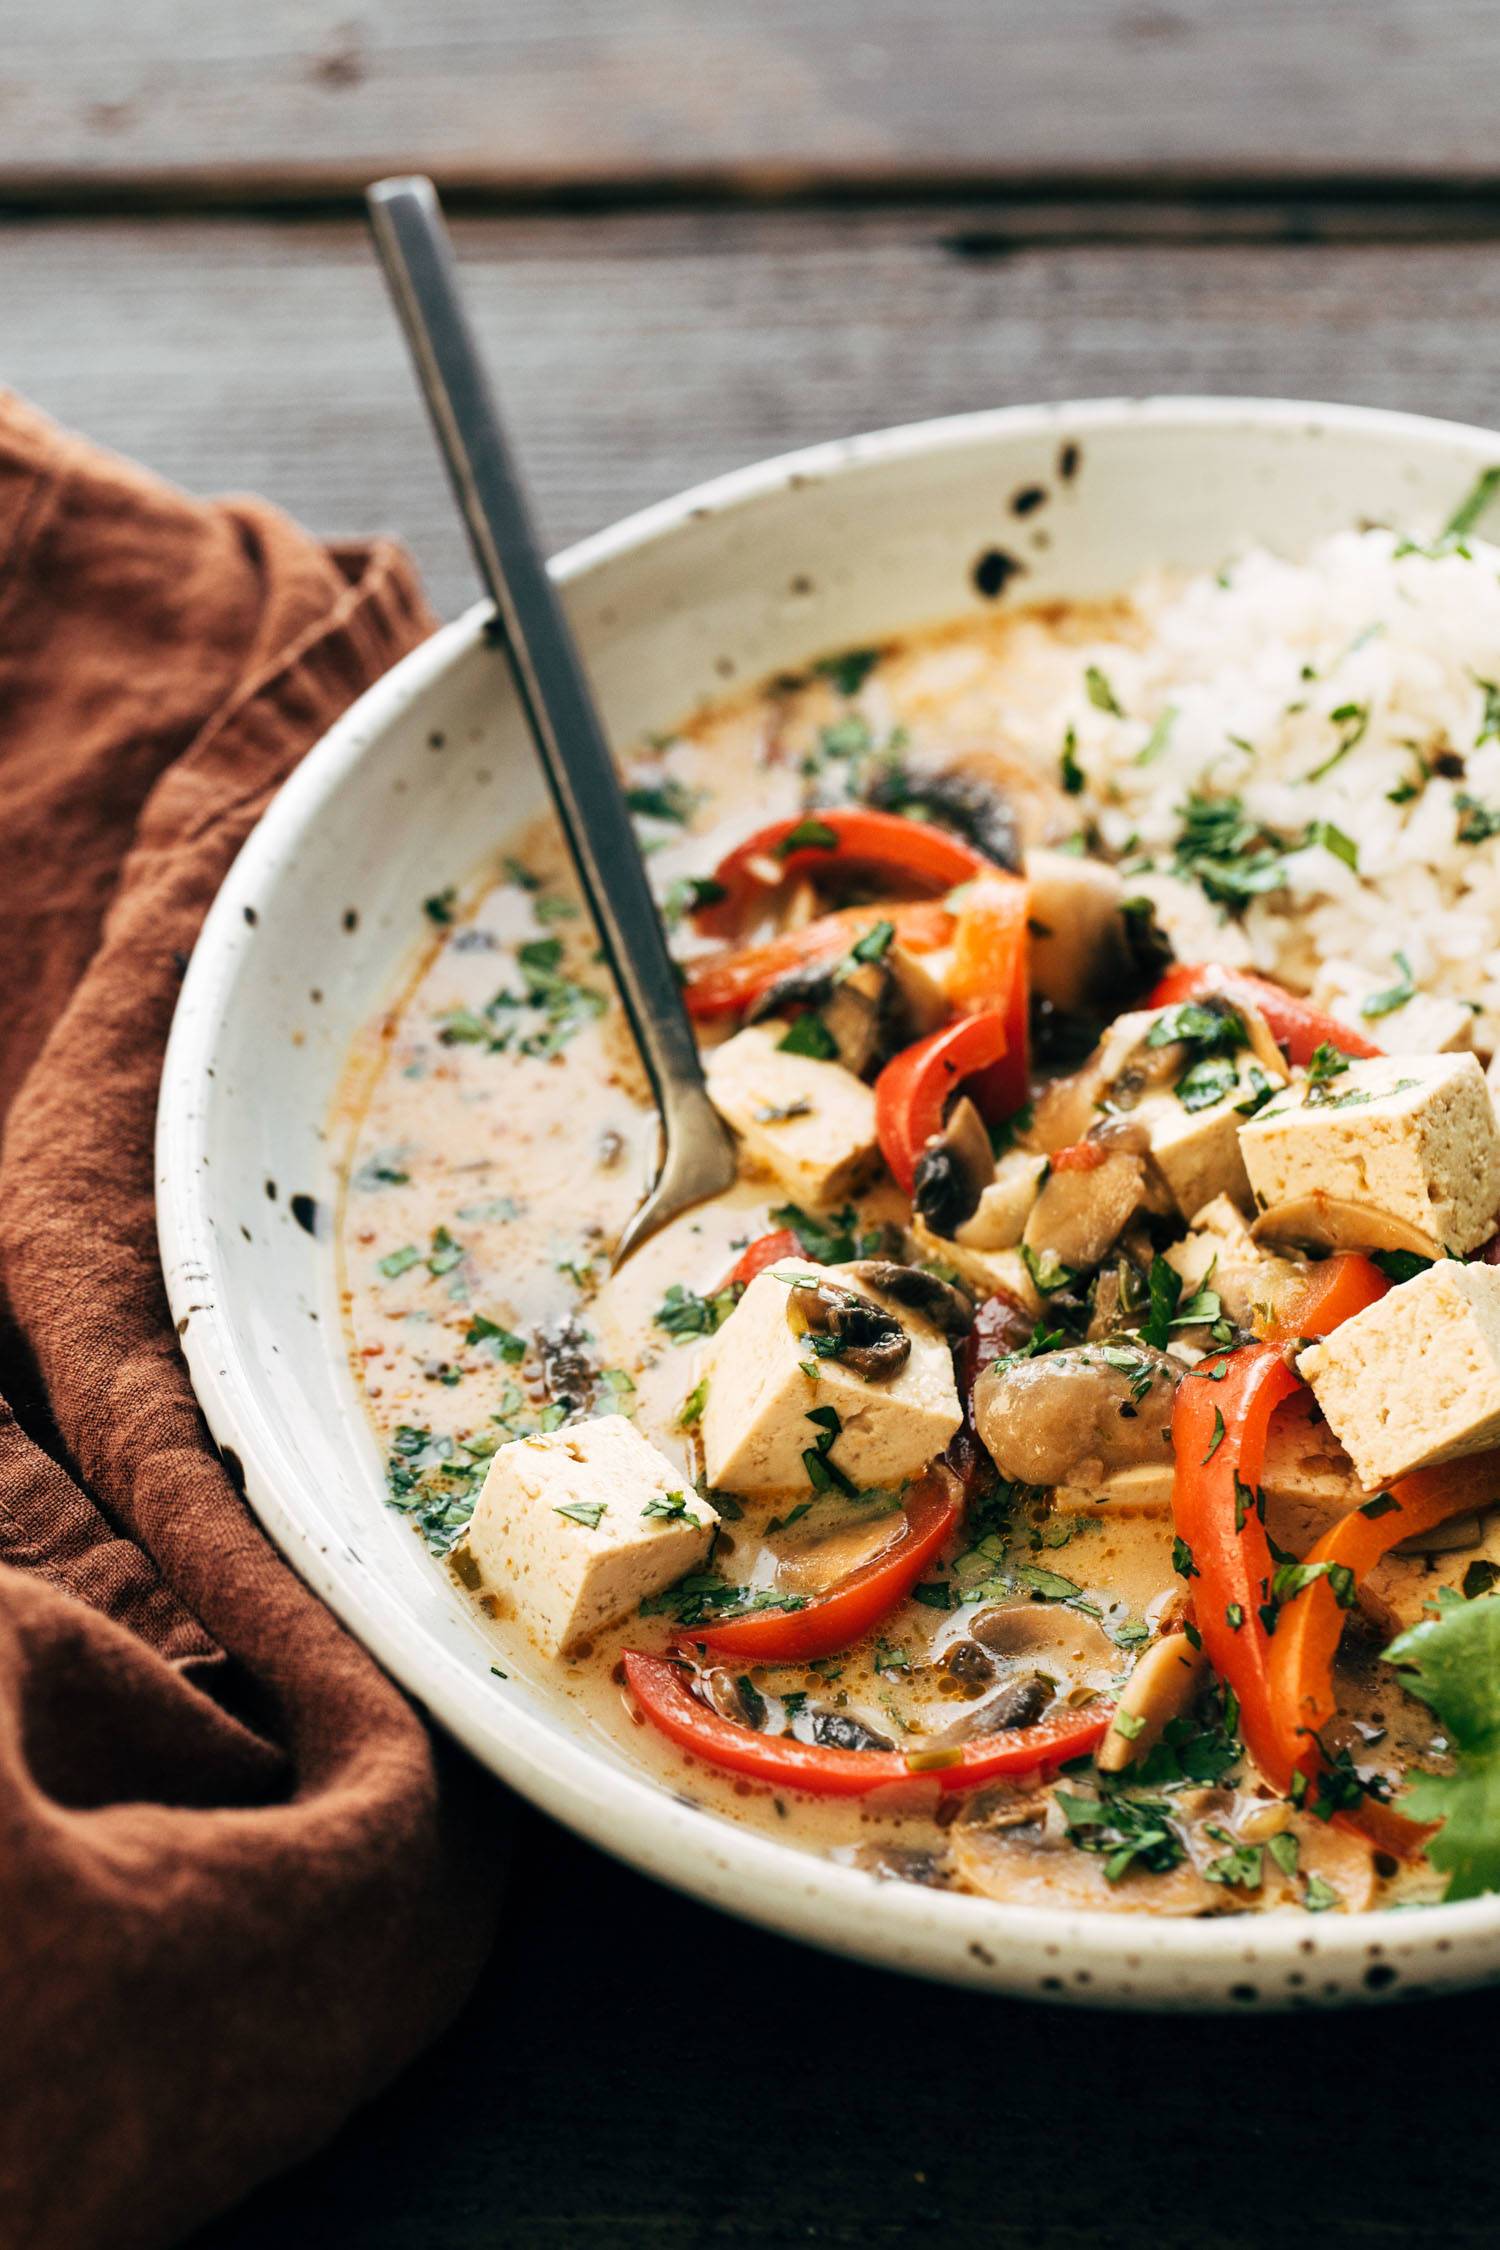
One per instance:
(697, 232)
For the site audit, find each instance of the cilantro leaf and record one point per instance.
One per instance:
(1452, 1662)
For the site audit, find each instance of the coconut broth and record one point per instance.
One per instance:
(486, 1184)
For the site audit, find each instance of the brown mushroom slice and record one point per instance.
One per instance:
(947, 1308)
(849, 1328)
(1330, 1222)
(1014, 1846)
(1073, 1416)
(1080, 1215)
(1050, 1636)
(953, 1170)
(999, 1218)
(1146, 1485)
(815, 1564)
(853, 1016)
(1166, 1678)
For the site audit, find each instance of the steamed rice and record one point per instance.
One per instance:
(1347, 702)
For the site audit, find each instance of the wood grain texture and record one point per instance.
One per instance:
(298, 96)
(636, 2073)
(639, 353)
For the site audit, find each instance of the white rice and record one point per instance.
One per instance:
(1254, 663)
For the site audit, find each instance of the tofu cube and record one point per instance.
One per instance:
(809, 1124)
(1414, 1379)
(1252, 1284)
(1005, 1205)
(764, 1378)
(561, 1528)
(984, 1273)
(1412, 1135)
(1198, 1150)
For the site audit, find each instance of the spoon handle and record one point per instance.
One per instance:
(414, 249)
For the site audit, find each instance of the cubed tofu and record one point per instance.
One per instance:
(1078, 944)
(1413, 1136)
(1252, 1284)
(764, 1379)
(809, 1124)
(984, 1273)
(561, 1528)
(1198, 1150)
(1307, 1478)
(1415, 1378)
(1005, 1205)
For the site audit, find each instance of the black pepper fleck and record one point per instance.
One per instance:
(994, 571)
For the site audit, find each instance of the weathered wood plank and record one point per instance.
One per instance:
(639, 353)
(301, 95)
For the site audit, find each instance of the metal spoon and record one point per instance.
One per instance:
(698, 1157)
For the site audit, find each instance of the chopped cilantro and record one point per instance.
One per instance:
(848, 672)
(1477, 822)
(1165, 1286)
(439, 908)
(590, 1513)
(445, 1253)
(1452, 1661)
(663, 800)
(1100, 693)
(807, 836)
(1395, 995)
(674, 1506)
(397, 1262)
(1071, 771)
(808, 1034)
(691, 1412)
(683, 1313)
(508, 1346)
(875, 943)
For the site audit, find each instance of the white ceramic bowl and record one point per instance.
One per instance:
(759, 571)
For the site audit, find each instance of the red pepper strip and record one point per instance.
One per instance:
(1309, 1627)
(727, 985)
(1219, 1440)
(764, 1251)
(911, 1093)
(1219, 1428)
(1337, 1289)
(991, 961)
(1296, 1025)
(662, 1693)
(1078, 1156)
(854, 836)
(857, 1603)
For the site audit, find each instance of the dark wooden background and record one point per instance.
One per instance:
(698, 231)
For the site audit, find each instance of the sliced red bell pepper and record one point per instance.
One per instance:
(911, 1093)
(764, 1251)
(727, 985)
(844, 837)
(1310, 1624)
(660, 1688)
(1078, 1156)
(1219, 1426)
(990, 975)
(1294, 1023)
(857, 1603)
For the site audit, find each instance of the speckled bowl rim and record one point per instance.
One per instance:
(1083, 1956)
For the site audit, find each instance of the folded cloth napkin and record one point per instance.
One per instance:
(239, 1884)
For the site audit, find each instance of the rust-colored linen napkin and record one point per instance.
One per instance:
(238, 1884)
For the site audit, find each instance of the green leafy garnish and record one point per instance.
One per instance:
(397, 1262)
(663, 800)
(1394, 996)
(1477, 822)
(508, 1345)
(1452, 1662)
(1165, 1286)
(1070, 770)
(683, 1313)
(590, 1513)
(1127, 1831)
(808, 1034)
(808, 835)
(875, 943)
(674, 1506)
(848, 672)
(1100, 693)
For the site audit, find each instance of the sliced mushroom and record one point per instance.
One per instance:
(1166, 1678)
(1144, 1487)
(1019, 1703)
(854, 1016)
(1080, 942)
(947, 1308)
(970, 803)
(953, 1170)
(902, 1863)
(999, 1218)
(1330, 1222)
(854, 1331)
(1072, 1416)
(836, 1730)
(1014, 1845)
(808, 985)
(1048, 1637)
(735, 1698)
(1081, 1214)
